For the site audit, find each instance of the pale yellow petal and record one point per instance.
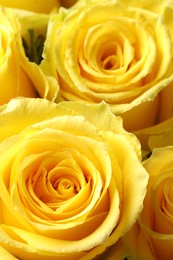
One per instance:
(130, 197)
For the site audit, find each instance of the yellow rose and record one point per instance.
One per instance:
(155, 230)
(40, 6)
(116, 51)
(33, 28)
(71, 179)
(18, 76)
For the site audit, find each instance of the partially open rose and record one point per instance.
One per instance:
(18, 76)
(71, 179)
(152, 237)
(116, 51)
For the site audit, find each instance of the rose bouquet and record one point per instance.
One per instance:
(86, 130)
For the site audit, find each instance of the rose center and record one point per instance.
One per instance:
(110, 56)
(64, 186)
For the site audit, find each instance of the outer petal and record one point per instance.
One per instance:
(121, 146)
(43, 109)
(17, 108)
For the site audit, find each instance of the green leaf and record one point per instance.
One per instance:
(34, 48)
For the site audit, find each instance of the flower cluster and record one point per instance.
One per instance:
(86, 129)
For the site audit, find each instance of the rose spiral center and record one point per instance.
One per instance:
(110, 57)
(64, 186)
